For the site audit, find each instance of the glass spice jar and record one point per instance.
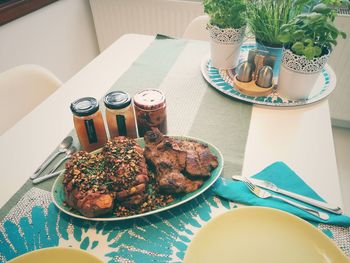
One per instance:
(88, 123)
(120, 114)
(150, 110)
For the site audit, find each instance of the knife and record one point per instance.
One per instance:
(272, 187)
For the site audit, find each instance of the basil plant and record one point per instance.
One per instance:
(313, 34)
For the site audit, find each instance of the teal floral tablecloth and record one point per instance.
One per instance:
(36, 223)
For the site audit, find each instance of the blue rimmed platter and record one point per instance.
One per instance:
(58, 197)
(222, 80)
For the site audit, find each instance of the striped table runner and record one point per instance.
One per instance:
(30, 220)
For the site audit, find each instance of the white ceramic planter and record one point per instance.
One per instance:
(225, 46)
(298, 75)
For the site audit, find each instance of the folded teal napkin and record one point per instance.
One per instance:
(280, 174)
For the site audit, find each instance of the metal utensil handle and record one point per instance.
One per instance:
(309, 210)
(58, 164)
(46, 177)
(44, 165)
(272, 187)
(322, 205)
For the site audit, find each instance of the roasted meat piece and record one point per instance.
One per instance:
(176, 182)
(126, 168)
(93, 182)
(86, 185)
(199, 161)
(172, 158)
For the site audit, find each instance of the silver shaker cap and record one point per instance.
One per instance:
(265, 75)
(244, 72)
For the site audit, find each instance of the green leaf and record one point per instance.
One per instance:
(334, 34)
(333, 41)
(322, 9)
(309, 42)
(284, 37)
(309, 52)
(343, 34)
(298, 47)
(313, 17)
(299, 34)
(284, 27)
(318, 51)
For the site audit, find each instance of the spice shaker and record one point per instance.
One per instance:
(150, 110)
(88, 123)
(265, 75)
(245, 71)
(120, 114)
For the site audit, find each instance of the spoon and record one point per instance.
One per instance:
(48, 176)
(69, 153)
(64, 145)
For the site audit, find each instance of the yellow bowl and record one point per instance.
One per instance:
(57, 255)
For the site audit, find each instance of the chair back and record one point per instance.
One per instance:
(22, 88)
(197, 29)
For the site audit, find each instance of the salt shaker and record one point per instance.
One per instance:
(244, 72)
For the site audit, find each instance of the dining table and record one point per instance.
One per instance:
(250, 137)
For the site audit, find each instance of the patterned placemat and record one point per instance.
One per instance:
(36, 223)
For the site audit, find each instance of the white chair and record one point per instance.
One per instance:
(22, 88)
(197, 29)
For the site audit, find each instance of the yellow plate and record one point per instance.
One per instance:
(259, 234)
(57, 255)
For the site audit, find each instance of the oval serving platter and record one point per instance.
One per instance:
(222, 80)
(57, 191)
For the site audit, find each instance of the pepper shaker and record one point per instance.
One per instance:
(265, 75)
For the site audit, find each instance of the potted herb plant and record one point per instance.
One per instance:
(308, 41)
(226, 28)
(265, 19)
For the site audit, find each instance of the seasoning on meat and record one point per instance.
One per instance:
(86, 186)
(126, 168)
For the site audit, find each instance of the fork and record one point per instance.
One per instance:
(259, 192)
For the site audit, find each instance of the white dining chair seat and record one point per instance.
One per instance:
(196, 29)
(22, 88)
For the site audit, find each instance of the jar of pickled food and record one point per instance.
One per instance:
(120, 114)
(88, 123)
(150, 110)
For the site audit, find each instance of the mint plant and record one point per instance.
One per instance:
(226, 13)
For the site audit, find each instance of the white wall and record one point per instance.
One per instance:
(113, 18)
(60, 37)
(340, 62)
